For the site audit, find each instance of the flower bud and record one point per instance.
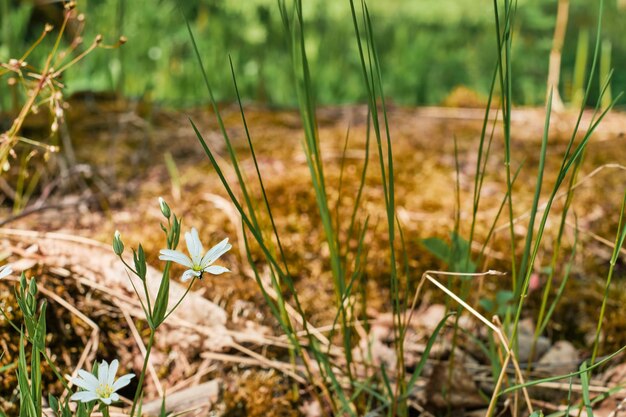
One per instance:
(118, 245)
(165, 209)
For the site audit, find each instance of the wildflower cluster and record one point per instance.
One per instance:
(100, 387)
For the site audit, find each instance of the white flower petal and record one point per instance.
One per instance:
(175, 256)
(188, 274)
(107, 401)
(86, 381)
(103, 373)
(84, 396)
(112, 371)
(216, 269)
(215, 252)
(5, 271)
(115, 397)
(194, 246)
(123, 381)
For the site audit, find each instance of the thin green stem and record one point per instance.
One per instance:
(181, 298)
(619, 241)
(139, 390)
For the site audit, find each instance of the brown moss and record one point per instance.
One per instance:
(259, 394)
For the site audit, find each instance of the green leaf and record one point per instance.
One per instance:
(437, 247)
(162, 299)
(503, 297)
(486, 304)
(53, 402)
(163, 412)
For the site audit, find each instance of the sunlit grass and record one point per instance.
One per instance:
(339, 370)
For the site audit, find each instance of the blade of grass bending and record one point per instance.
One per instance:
(567, 163)
(388, 186)
(555, 255)
(386, 382)
(279, 312)
(405, 261)
(619, 242)
(595, 400)
(249, 224)
(357, 200)
(281, 303)
(558, 377)
(422, 363)
(273, 305)
(362, 386)
(479, 176)
(559, 293)
(356, 275)
(584, 382)
(255, 233)
(497, 216)
(306, 101)
(345, 404)
(503, 38)
(454, 250)
(252, 225)
(231, 152)
(354, 279)
(339, 188)
(576, 154)
(304, 88)
(569, 397)
(256, 167)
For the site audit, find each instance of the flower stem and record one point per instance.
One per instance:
(105, 411)
(143, 373)
(181, 298)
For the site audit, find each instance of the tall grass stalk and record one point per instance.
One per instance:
(279, 271)
(345, 283)
(504, 40)
(372, 78)
(340, 391)
(570, 159)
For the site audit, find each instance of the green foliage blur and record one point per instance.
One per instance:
(427, 48)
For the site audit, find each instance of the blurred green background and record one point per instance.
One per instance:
(427, 47)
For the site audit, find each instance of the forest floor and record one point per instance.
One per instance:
(110, 179)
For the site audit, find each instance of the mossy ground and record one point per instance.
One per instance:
(123, 172)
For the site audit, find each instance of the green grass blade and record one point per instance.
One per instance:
(558, 377)
(584, 382)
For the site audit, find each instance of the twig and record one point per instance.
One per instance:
(495, 327)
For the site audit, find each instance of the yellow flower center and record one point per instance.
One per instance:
(104, 390)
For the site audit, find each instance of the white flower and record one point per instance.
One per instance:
(103, 386)
(5, 271)
(198, 263)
